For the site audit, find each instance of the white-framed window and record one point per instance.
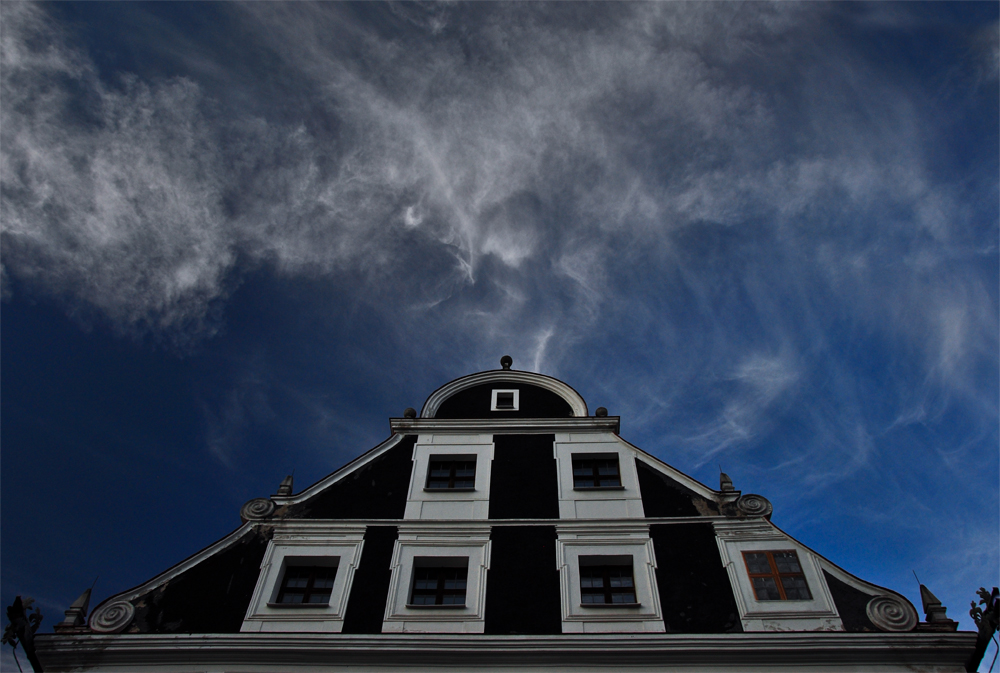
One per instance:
(597, 477)
(607, 579)
(438, 582)
(305, 577)
(505, 400)
(451, 472)
(778, 584)
(450, 477)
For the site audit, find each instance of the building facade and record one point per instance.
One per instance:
(504, 527)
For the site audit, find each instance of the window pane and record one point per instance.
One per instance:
(766, 589)
(787, 562)
(610, 481)
(453, 599)
(757, 564)
(320, 597)
(623, 597)
(422, 600)
(582, 471)
(607, 467)
(620, 579)
(796, 588)
(290, 598)
(593, 598)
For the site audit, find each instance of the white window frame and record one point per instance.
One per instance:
(305, 543)
(597, 503)
(818, 614)
(437, 504)
(579, 540)
(423, 541)
(517, 399)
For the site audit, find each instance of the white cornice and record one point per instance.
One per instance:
(556, 386)
(681, 478)
(174, 571)
(503, 426)
(358, 462)
(759, 529)
(301, 651)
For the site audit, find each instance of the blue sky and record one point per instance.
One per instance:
(237, 238)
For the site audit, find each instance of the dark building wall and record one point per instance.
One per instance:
(375, 491)
(662, 496)
(211, 597)
(523, 479)
(475, 402)
(522, 585)
(370, 588)
(695, 592)
(851, 605)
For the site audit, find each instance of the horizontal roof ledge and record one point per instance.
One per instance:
(504, 426)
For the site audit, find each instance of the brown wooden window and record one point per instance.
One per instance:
(776, 576)
(307, 584)
(452, 473)
(607, 585)
(438, 586)
(596, 472)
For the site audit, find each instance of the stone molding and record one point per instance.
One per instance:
(556, 386)
(503, 426)
(728, 652)
(170, 573)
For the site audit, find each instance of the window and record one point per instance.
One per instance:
(439, 586)
(606, 585)
(452, 472)
(305, 577)
(777, 576)
(607, 578)
(438, 581)
(596, 472)
(505, 400)
(307, 584)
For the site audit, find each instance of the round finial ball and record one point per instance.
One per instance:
(409, 412)
(601, 411)
(506, 361)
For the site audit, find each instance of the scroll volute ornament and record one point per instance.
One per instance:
(257, 509)
(890, 613)
(752, 504)
(112, 617)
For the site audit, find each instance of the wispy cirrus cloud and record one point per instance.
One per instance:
(532, 174)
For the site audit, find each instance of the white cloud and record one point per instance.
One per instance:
(515, 172)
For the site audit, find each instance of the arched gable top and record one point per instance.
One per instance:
(487, 395)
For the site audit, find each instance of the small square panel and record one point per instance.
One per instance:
(505, 400)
